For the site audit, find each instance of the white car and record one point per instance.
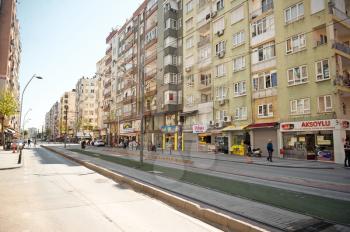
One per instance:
(99, 143)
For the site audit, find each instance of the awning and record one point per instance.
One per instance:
(189, 112)
(262, 125)
(10, 131)
(235, 128)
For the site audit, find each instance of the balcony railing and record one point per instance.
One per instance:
(342, 16)
(203, 41)
(343, 80)
(264, 8)
(151, 57)
(341, 47)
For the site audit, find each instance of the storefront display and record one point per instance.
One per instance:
(172, 138)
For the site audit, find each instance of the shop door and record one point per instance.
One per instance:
(310, 146)
(261, 137)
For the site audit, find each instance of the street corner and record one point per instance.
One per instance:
(10, 160)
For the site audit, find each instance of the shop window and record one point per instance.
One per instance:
(325, 104)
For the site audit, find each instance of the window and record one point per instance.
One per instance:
(190, 100)
(170, 60)
(151, 35)
(220, 115)
(204, 53)
(295, 43)
(189, 6)
(241, 113)
(297, 75)
(189, 23)
(240, 88)
(205, 79)
(220, 70)
(221, 92)
(170, 78)
(266, 5)
(322, 70)
(171, 23)
(300, 106)
(238, 63)
(190, 81)
(170, 97)
(219, 5)
(170, 42)
(189, 61)
(238, 38)
(219, 25)
(265, 111)
(316, 6)
(189, 42)
(220, 48)
(264, 81)
(294, 12)
(325, 104)
(237, 15)
(262, 26)
(263, 52)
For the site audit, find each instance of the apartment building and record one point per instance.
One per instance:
(86, 119)
(313, 56)
(67, 114)
(167, 130)
(10, 49)
(197, 71)
(52, 123)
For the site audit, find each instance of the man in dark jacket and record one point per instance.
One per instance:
(347, 153)
(269, 148)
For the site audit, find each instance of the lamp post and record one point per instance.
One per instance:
(25, 87)
(24, 121)
(65, 132)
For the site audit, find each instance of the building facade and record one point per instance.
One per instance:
(10, 49)
(67, 115)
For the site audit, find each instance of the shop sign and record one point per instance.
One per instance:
(329, 124)
(127, 127)
(199, 129)
(168, 129)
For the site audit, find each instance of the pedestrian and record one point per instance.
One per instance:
(347, 153)
(14, 145)
(269, 148)
(34, 142)
(29, 142)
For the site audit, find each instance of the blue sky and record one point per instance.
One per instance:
(61, 41)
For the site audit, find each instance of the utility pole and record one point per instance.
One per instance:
(65, 132)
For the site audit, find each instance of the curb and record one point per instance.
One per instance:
(9, 168)
(220, 220)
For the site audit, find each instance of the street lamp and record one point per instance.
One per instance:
(25, 87)
(24, 121)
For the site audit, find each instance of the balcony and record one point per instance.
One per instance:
(150, 74)
(204, 85)
(343, 80)
(204, 64)
(151, 10)
(107, 83)
(129, 99)
(151, 26)
(128, 33)
(265, 93)
(262, 9)
(265, 64)
(151, 92)
(151, 42)
(108, 61)
(109, 50)
(341, 47)
(339, 15)
(203, 40)
(205, 107)
(150, 57)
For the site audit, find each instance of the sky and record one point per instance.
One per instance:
(61, 41)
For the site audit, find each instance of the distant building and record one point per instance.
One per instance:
(67, 115)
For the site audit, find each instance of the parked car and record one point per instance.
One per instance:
(99, 143)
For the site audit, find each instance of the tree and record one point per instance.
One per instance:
(8, 107)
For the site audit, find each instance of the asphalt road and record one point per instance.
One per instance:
(50, 193)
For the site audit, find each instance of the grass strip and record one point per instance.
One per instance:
(323, 207)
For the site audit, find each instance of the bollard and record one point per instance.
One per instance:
(20, 156)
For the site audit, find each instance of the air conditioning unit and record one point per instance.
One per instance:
(211, 123)
(227, 119)
(213, 14)
(188, 69)
(220, 33)
(221, 54)
(222, 102)
(218, 124)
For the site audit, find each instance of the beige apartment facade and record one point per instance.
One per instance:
(67, 115)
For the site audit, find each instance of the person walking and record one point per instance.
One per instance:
(347, 153)
(269, 148)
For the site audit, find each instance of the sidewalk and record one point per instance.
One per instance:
(8, 160)
(277, 162)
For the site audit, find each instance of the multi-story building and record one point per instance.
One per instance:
(86, 119)
(52, 125)
(167, 49)
(10, 49)
(198, 76)
(67, 115)
(313, 53)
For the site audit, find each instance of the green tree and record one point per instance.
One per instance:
(8, 107)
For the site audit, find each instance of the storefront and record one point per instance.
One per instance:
(204, 139)
(261, 133)
(172, 138)
(130, 131)
(236, 137)
(315, 140)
